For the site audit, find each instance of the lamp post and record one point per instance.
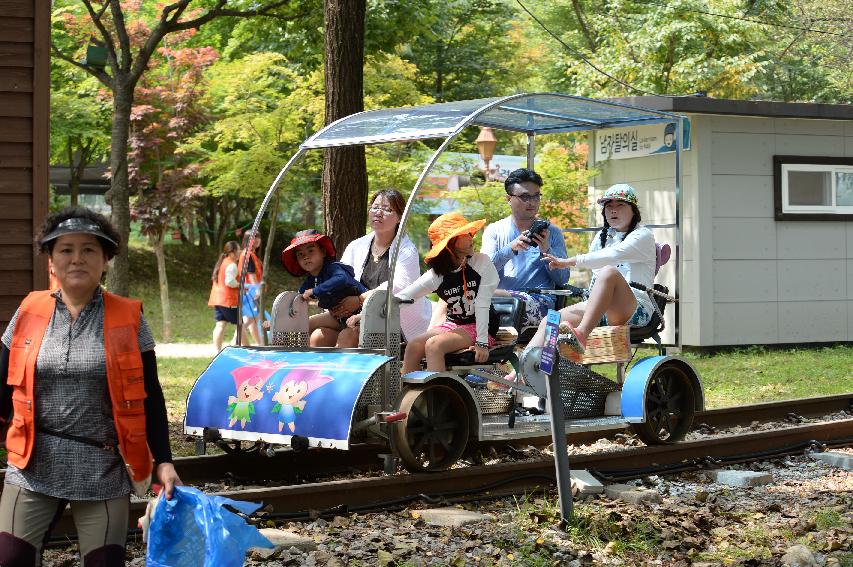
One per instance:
(486, 143)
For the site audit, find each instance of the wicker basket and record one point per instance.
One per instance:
(604, 344)
(492, 401)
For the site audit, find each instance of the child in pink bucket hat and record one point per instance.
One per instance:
(312, 253)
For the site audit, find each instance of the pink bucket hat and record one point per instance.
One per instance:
(288, 255)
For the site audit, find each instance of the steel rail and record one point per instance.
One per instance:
(297, 467)
(376, 492)
(506, 477)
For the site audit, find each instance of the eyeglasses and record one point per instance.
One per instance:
(528, 198)
(375, 210)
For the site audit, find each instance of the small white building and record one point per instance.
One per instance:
(767, 233)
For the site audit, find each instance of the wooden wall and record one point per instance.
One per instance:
(24, 129)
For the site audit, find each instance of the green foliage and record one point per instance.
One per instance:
(565, 189)
(830, 518)
(461, 48)
(591, 525)
(686, 46)
(258, 125)
(79, 115)
(661, 47)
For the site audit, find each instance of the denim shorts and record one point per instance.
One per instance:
(640, 318)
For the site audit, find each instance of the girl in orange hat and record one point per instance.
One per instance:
(466, 281)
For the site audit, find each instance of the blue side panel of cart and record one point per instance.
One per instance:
(271, 395)
(634, 389)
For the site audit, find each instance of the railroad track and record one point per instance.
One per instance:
(328, 497)
(298, 467)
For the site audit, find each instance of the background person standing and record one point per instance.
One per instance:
(252, 285)
(224, 291)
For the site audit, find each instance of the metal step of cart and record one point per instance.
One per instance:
(496, 426)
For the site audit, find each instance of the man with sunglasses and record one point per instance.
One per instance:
(517, 254)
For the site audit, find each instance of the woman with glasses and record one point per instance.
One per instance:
(369, 257)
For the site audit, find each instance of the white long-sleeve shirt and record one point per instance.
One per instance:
(633, 255)
(231, 275)
(466, 303)
(414, 318)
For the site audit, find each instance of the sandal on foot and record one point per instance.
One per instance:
(581, 343)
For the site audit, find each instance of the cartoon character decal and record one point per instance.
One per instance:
(294, 387)
(249, 381)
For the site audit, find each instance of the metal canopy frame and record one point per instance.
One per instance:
(530, 113)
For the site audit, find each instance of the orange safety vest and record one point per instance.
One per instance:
(259, 269)
(124, 378)
(221, 294)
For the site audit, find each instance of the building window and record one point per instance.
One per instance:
(813, 188)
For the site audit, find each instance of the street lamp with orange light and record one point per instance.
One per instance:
(486, 143)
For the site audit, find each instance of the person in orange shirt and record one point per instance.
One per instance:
(224, 291)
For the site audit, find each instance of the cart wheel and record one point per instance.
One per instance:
(435, 431)
(670, 406)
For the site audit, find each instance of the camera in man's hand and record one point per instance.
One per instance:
(538, 227)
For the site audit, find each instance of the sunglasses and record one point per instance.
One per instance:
(528, 198)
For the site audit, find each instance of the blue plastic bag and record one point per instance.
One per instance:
(251, 293)
(194, 530)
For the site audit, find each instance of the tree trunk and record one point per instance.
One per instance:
(309, 211)
(188, 230)
(118, 196)
(160, 253)
(73, 177)
(344, 169)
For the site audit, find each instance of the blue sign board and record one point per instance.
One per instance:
(271, 395)
(549, 350)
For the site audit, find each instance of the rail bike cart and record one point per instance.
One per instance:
(293, 395)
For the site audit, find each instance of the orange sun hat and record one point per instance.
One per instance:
(448, 226)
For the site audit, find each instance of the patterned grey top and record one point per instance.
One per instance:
(72, 397)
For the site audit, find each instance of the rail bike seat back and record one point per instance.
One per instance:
(289, 321)
(656, 324)
(510, 311)
(652, 330)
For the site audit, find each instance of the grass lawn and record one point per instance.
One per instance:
(188, 273)
(761, 375)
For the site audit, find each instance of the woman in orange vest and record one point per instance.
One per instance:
(224, 291)
(80, 399)
(252, 285)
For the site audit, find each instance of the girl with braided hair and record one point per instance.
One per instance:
(623, 252)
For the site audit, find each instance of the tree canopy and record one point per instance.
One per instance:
(216, 94)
